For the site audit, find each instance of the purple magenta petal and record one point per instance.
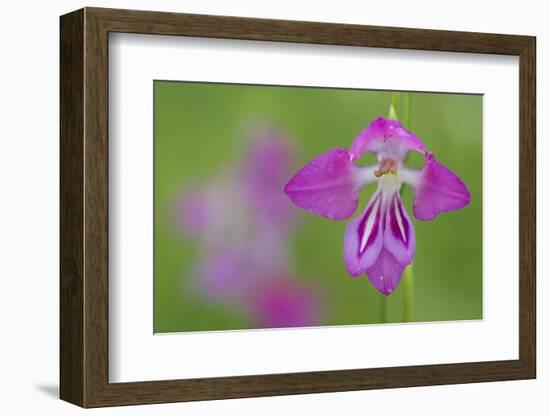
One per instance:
(438, 190)
(326, 186)
(387, 137)
(385, 274)
(364, 237)
(399, 237)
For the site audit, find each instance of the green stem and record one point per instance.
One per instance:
(394, 106)
(407, 110)
(384, 309)
(408, 283)
(408, 299)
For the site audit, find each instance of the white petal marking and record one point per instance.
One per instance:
(370, 224)
(399, 219)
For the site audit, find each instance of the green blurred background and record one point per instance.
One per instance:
(199, 129)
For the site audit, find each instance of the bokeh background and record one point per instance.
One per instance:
(202, 133)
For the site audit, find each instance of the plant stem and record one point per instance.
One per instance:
(394, 106)
(384, 309)
(406, 120)
(408, 298)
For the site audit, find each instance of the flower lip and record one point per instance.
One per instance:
(363, 238)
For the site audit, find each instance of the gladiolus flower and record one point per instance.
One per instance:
(380, 242)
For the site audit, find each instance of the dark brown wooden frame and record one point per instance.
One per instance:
(84, 207)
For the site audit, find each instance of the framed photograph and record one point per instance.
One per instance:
(257, 207)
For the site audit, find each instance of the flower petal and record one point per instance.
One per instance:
(327, 186)
(385, 274)
(364, 237)
(438, 190)
(386, 137)
(399, 237)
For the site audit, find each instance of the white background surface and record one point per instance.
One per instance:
(29, 209)
(136, 355)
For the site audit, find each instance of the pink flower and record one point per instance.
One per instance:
(283, 301)
(380, 242)
(242, 223)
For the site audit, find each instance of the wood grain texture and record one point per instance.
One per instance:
(96, 208)
(84, 207)
(72, 215)
(527, 207)
(162, 23)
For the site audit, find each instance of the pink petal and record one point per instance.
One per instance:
(399, 237)
(364, 237)
(439, 190)
(385, 274)
(388, 137)
(326, 186)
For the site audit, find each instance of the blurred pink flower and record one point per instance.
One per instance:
(263, 176)
(285, 302)
(241, 220)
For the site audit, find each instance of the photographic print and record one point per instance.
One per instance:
(328, 185)
(285, 206)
